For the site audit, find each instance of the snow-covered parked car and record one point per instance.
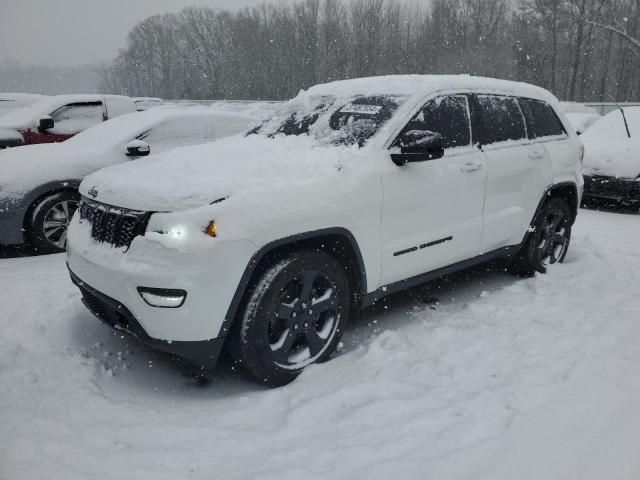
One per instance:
(353, 190)
(582, 121)
(60, 117)
(145, 103)
(13, 101)
(39, 183)
(612, 158)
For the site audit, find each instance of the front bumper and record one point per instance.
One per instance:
(111, 312)
(209, 275)
(625, 190)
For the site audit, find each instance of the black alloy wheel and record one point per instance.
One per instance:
(549, 241)
(47, 228)
(293, 317)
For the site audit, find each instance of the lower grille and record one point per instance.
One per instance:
(112, 225)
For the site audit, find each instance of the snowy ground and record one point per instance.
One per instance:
(502, 379)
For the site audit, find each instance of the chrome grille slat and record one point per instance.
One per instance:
(112, 225)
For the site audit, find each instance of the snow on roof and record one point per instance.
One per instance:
(425, 84)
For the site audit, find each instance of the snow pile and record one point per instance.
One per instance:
(499, 378)
(608, 149)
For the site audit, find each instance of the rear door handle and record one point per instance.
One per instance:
(472, 167)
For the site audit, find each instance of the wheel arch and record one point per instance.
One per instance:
(336, 241)
(46, 190)
(567, 191)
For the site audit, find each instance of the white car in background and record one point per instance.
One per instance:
(38, 184)
(351, 191)
(612, 158)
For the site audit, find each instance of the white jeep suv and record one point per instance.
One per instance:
(267, 243)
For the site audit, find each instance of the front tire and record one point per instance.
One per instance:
(294, 316)
(549, 241)
(48, 221)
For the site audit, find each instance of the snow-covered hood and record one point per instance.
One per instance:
(24, 168)
(191, 177)
(620, 160)
(608, 149)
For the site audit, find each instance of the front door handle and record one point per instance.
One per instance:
(537, 154)
(472, 167)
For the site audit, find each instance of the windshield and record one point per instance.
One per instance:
(351, 121)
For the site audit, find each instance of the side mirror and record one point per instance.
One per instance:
(418, 146)
(138, 148)
(45, 123)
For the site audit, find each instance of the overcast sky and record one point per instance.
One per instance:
(71, 32)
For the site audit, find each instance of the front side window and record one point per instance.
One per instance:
(350, 121)
(447, 116)
(76, 117)
(542, 121)
(501, 119)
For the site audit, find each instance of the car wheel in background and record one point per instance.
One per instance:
(48, 222)
(549, 241)
(294, 316)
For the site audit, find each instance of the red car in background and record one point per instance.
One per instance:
(57, 118)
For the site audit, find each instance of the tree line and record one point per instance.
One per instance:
(582, 50)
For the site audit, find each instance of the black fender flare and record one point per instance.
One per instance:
(294, 241)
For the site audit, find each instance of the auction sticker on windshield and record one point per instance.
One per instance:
(362, 109)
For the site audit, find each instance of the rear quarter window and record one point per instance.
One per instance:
(501, 119)
(541, 119)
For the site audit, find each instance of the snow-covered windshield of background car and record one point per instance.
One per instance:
(350, 121)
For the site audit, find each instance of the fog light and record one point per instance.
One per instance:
(162, 297)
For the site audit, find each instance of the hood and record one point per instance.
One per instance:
(608, 149)
(620, 161)
(191, 177)
(24, 168)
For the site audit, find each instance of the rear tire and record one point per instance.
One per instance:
(549, 241)
(48, 221)
(294, 317)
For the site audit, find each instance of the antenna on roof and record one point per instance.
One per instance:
(624, 117)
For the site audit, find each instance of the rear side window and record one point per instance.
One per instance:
(448, 116)
(502, 119)
(542, 121)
